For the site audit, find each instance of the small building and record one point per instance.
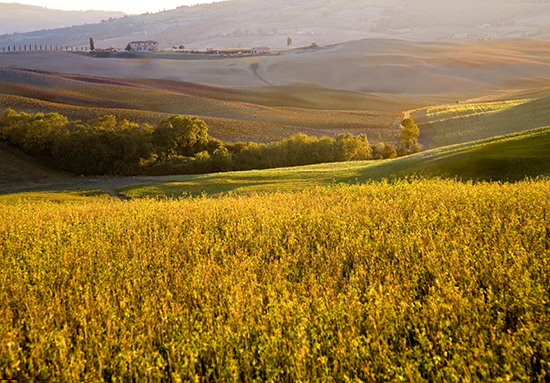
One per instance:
(144, 46)
(231, 52)
(261, 50)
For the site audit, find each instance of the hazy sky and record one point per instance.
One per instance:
(128, 6)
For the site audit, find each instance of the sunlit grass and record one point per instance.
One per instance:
(443, 112)
(454, 124)
(52, 196)
(415, 281)
(505, 158)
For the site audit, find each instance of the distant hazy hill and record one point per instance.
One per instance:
(247, 23)
(19, 18)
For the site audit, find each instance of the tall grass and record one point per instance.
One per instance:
(416, 280)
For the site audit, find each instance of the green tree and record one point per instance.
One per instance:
(42, 131)
(34, 134)
(352, 148)
(408, 138)
(383, 150)
(222, 160)
(409, 130)
(180, 135)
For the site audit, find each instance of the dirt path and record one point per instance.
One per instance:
(254, 68)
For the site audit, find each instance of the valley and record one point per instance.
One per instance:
(362, 87)
(159, 224)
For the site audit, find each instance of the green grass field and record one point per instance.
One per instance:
(507, 158)
(454, 124)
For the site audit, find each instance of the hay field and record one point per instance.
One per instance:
(358, 87)
(257, 114)
(368, 66)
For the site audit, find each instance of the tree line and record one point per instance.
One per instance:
(176, 145)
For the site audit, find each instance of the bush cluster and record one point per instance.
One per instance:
(177, 145)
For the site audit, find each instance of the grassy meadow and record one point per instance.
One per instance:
(509, 158)
(429, 267)
(445, 125)
(413, 280)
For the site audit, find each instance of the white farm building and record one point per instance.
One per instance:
(144, 46)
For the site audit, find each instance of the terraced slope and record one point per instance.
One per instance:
(233, 114)
(452, 124)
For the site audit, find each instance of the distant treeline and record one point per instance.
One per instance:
(45, 47)
(177, 145)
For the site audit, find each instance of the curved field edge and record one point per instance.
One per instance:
(452, 124)
(53, 197)
(503, 158)
(432, 280)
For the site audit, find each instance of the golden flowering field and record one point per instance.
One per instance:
(413, 280)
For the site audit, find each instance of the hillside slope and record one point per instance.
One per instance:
(506, 158)
(453, 124)
(392, 66)
(21, 18)
(258, 114)
(18, 168)
(248, 23)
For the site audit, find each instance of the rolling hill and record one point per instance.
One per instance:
(507, 158)
(452, 124)
(232, 115)
(367, 66)
(247, 23)
(18, 18)
(358, 87)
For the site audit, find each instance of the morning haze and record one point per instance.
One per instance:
(276, 190)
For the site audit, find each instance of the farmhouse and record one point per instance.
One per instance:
(260, 50)
(231, 52)
(144, 46)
